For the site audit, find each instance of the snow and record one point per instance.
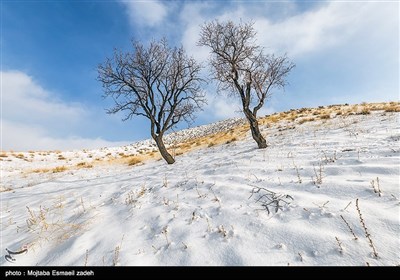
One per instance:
(201, 210)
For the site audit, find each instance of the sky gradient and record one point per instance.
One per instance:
(345, 52)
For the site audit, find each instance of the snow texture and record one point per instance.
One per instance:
(293, 203)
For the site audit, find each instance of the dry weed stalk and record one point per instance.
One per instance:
(318, 175)
(165, 232)
(222, 230)
(347, 206)
(330, 159)
(351, 230)
(208, 225)
(116, 252)
(300, 257)
(83, 205)
(116, 255)
(298, 173)
(341, 250)
(165, 181)
(367, 235)
(199, 194)
(216, 199)
(269, 198)
(376, 187)
(321, 206)
(86, 257)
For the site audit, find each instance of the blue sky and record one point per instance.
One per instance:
(345, 52)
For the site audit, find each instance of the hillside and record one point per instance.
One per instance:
(325, 192)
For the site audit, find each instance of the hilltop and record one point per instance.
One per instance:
(324, 192)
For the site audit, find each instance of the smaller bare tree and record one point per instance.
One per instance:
(241, 67)
(158, 82)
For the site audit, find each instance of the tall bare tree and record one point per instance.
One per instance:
(241, 67)
(157, 82)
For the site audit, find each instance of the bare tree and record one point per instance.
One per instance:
(240, 66)
(157, 82)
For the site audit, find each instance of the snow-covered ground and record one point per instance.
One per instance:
(216, 205)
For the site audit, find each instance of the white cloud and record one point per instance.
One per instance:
(23, 99)
(35, 119)
(225, 107)
(150, 13)
(323, 26)
(224, 110)
(317, 30)
(192, 16)
(18, 136)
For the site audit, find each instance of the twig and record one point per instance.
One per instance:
(83, 205)
(367, 235)
(165, 181)
(165, 232)
(347, 206)
(199, 194)
(268, 198)
(215, 197)
(321, 206)
(86, 257)
(298, 173)
(318, 175)
(208, 225)
(376, 188)
(351, 230)
(116, 256)
(340, 245)
(301, 256)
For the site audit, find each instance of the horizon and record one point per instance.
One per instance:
(51, 100)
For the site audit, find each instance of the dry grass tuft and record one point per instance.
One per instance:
(41, 170)
(364, 111)
(233, 139)
(392, 108)
(20, 156)
(325, 116)
(48, 224)
(84, 165)
(304, 120)
(134, 161)
(59, 169)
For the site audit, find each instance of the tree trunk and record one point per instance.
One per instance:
(255, 131)
(163, 151)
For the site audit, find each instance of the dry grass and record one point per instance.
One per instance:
(41, 170)
(392, 107)
(48, 224)
(84, 165)
(134, 161)
(325, 116)
(49, 170)
(59, 169)
(233, 139)
(304, 120)
(237, 133)
(364, 111)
